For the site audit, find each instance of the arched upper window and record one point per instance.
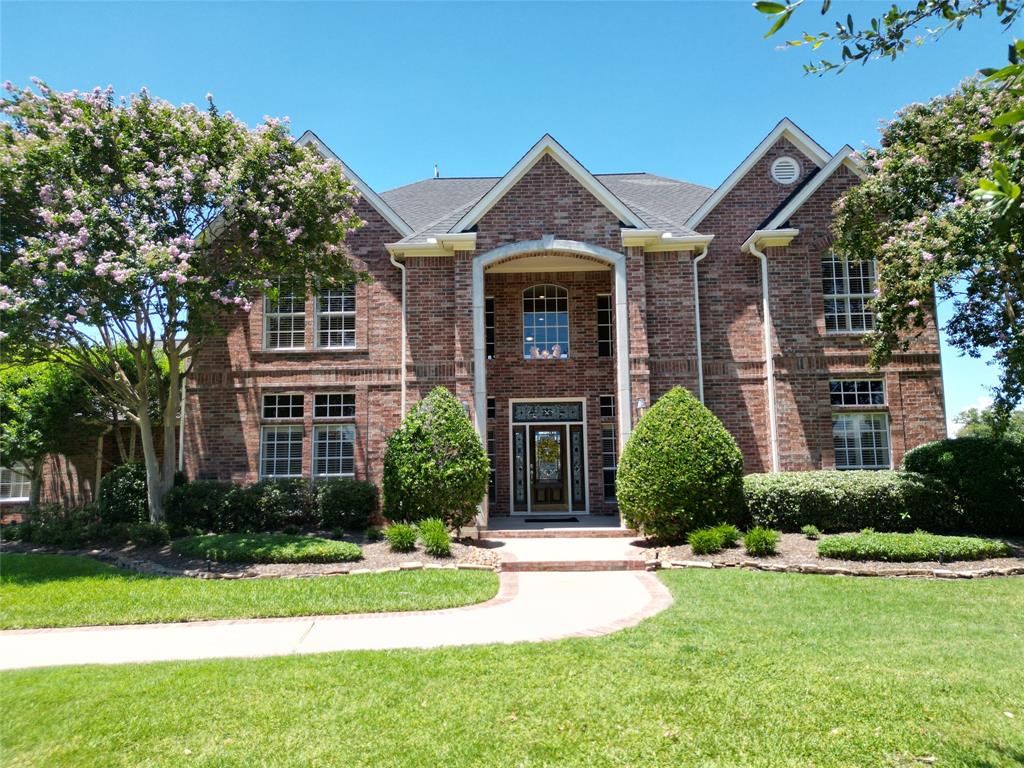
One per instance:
(546, 322)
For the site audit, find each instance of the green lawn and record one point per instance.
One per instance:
(63, 591)
(745, 669)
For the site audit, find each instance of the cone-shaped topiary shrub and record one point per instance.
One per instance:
(434, 464)
(680, 470)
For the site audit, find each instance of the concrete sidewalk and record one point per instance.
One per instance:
(529, 607)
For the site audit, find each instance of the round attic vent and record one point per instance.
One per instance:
(785, 169)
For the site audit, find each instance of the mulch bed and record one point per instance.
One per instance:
(377, 556)
(797, 553)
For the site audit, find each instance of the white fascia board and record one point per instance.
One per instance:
(375, 200)
(786, 128)
(653, 240)
(768, 238)
(441, 245)
(841, 158)
(547, 146)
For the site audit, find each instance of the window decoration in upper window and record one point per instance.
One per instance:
(281, 451)
(334, 405)
(848, 288)
(284, 318)
(546, 322)
(288, 406)
(604, 325)
(15, 483)
(857, 392)
(489, 326)
(334, 450)
(336, 318)
(861, 440)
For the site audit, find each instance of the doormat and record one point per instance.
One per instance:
(551, 519)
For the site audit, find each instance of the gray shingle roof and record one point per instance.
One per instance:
(434, 206)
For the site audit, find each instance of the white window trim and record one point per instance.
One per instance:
(281, 419)
(318, 314)
(845, 414)
(335, 418)
(859, 406)
(346, 428)
(568, 322)
(267, 314)
(263, 431)
(25, 473)
(849, 331)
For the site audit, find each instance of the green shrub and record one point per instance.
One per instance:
(346, 503)
(909, 547)
(267, 548)
(53, 526)
(760, 542)
(836, 501)
(985, 477)
(16, 532)
(730, 534)
(435, 538)
(680, 470)
(149, 534)
(810, 531)
(706, 541)
(374, 533)
(401, 537)
(242, 511)
(286, 502)
(197, 504)
(122, 497)
(435, 464)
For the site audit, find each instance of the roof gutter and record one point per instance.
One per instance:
(438, 245)
(764, 238)
(653, 240)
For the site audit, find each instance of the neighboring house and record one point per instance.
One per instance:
(557, 305)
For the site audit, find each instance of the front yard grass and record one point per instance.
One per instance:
(744, 669)
(267, 548)
(66, 591)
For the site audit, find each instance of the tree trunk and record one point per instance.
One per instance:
(156, 484)
(36, 483)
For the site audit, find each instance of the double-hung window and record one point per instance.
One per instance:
(334, 445)
(604, 325)
(284, 318)
(336, 318)
(281, 451)
(609, 446)
(860, 439)
(15, 483)
(849, 288)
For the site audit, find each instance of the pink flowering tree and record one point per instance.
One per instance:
(920, 214)
(134, 224)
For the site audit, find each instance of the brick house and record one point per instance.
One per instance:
(557, 305)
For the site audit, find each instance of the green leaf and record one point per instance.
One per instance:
(769, 8)
(1009, 118)
(779, 24)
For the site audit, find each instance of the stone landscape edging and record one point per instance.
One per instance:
(830, 570)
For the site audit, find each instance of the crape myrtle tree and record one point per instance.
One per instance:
(137, 224)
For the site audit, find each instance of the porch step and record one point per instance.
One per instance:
(558, 533)
(626, 564)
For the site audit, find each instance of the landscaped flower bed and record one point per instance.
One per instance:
(910, 547)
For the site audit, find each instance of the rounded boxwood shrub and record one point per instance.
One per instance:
(122, 497)
(705, 541)
(760, 542)
(197, 504)
(435, 464)
(909, 547)
(401, 537)
(837, 501)
(680, 470)
(347, 504)
(984, 475)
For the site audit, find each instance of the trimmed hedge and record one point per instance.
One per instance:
(122, 497)
(909, 547)
(984, 475)
(680, 470)
(267, 548)
(197, 505)
(346, 504)
(835, 501)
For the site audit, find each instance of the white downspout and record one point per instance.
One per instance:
(696, 314)
(769, 362)
(401, 268)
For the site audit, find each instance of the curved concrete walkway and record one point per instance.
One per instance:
(529, 607)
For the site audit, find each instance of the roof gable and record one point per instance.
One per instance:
(785, 129)
(844, 157)
(547, 146)
(365, 190)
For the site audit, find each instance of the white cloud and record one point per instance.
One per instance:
(981, 403)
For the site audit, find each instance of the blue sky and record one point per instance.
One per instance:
(680, 89)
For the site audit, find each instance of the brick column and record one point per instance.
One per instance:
(639, 357)
(463, 291)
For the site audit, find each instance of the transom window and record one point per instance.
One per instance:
(546, 322)
(284, 318)
(848, 288)
(489, 326)
(857, 392)
(15, 482)
(281, 451)
(604, 325)
(861, 440)
(334, 450)
(288, 406)
(334, 405)
(492, 408)
(607, 407)
(336, 318)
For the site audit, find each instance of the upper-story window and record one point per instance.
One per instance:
(546, 322)
(336, 318)
(848, 288)
(604, 325)
(284, 318)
